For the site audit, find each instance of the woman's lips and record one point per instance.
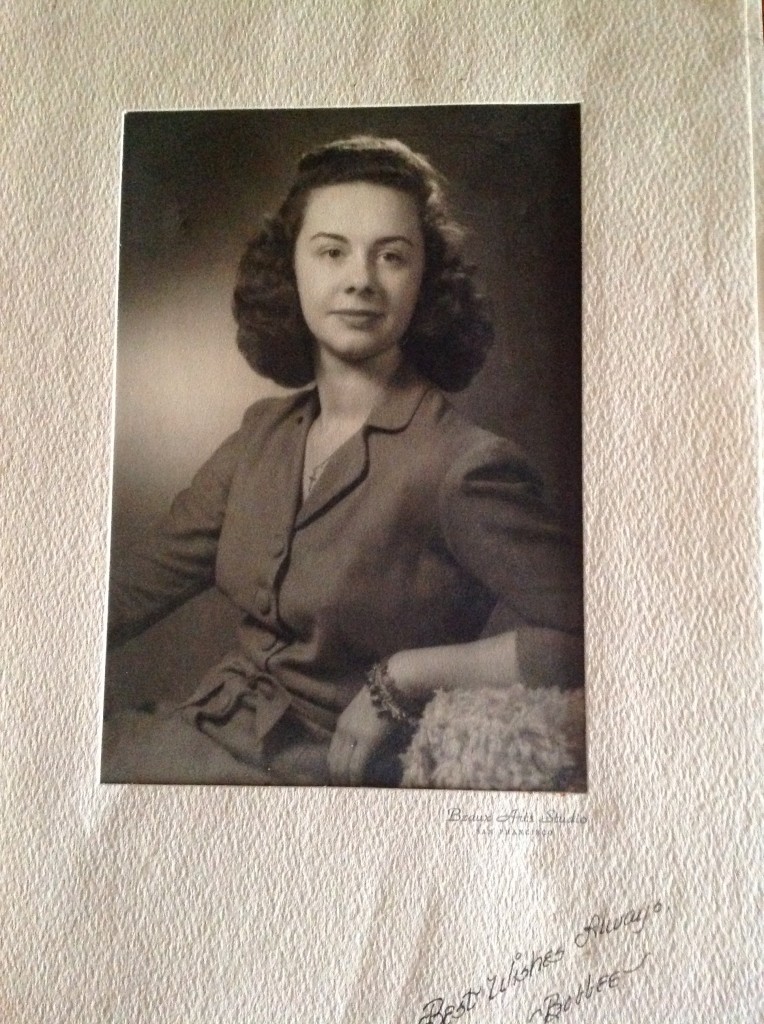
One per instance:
(358, 317)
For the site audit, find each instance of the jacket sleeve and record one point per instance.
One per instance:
(497, 525)
(176, 559)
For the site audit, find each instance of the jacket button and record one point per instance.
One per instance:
(263, 602)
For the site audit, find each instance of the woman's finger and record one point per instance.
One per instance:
(334, 758)
(347, 761)
(340, 754)
(359, 755)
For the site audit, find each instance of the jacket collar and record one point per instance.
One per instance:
(395, 409)
(349, 466)
(400, 401)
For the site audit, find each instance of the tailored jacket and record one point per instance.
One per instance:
(418, 524)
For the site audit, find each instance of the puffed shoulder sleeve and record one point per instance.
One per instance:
(498, 526)
(176, 559)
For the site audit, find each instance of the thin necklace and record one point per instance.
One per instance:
(315, 473)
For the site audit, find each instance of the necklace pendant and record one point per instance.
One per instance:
(314, 474)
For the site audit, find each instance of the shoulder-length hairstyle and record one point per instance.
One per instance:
(450, 332)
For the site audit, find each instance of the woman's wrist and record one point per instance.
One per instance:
(389, 700)
(408, 669)
(531, 656)
(490, 662)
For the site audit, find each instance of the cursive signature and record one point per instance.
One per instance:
(525, 967)
(554, 1005)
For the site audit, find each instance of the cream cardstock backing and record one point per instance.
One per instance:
(251, 906)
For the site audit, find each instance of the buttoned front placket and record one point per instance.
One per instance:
(260, 539)
(279, 547)
(267, 600)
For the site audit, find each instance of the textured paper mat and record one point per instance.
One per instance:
(233, 906)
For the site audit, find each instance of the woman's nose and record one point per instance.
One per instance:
(361, 276)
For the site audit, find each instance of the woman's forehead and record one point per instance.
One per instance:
(360, 208)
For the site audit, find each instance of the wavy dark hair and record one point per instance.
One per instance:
(450, 332)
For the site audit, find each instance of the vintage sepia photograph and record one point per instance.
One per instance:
(346, 529)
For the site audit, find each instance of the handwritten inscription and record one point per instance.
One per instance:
(530, 965)
(555, 1005)
(524, 967)
(634, 920)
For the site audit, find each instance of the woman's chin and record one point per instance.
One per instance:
(383, 358)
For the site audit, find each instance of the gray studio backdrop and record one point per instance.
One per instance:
(195, 186)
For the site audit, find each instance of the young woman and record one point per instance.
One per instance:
(364, 527)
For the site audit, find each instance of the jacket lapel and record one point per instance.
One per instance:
(349, 464)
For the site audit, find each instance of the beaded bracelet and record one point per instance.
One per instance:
(387, 698)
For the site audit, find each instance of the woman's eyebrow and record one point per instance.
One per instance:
(394, 238)
(386, 240)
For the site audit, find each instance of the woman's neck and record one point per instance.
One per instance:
(347, 393)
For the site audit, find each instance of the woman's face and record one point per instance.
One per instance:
(359, 260)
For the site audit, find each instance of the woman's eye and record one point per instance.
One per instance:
(393, 256)
(332, 253)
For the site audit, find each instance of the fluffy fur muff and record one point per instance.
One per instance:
(511, 739)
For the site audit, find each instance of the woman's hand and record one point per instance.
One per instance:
(359, 734)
